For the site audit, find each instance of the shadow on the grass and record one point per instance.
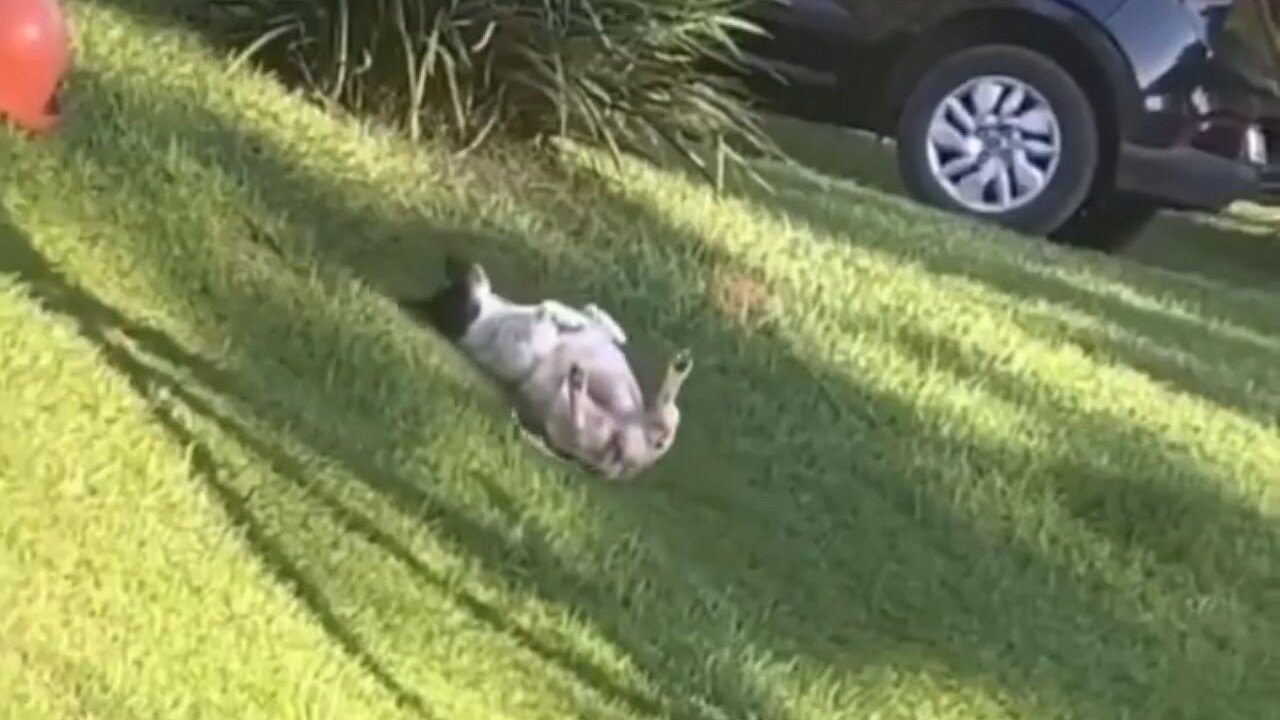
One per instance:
(869, 563)
(1167, 510)
(1231, 249)
(154, 365)
(1191, 350)
(119, 341)
(878, 479)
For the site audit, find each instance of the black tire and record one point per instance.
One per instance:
(1108, 224)
(1065, 192)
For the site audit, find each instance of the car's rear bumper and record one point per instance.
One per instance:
(1186, 177)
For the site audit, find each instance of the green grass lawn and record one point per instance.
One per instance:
(1240, 247)
(928, 470)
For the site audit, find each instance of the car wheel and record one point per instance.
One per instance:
(1001, 133)
(1108, 224)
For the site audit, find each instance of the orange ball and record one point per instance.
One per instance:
(34, 56)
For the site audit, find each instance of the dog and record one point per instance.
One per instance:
(565, 369)
(506, 339)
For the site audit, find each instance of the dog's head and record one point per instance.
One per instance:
(453, 308)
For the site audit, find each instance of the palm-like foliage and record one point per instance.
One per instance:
(626, 74)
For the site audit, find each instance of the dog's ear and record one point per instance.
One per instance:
(466, 274)
(455, 269)
(452, 309)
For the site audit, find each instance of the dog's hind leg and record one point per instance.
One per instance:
(678, 370)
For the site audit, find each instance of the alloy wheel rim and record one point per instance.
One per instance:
(994, 144)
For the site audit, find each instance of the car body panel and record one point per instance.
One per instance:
(834, 38)
(872, 21)
(1168, 53)
(824, 48)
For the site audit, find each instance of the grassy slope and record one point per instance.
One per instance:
(929, 470)
(1239, 247)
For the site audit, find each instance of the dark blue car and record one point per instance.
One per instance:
(1071, 118)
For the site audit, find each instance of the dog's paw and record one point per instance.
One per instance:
(682, 362)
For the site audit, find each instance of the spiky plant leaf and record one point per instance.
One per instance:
(621, 74)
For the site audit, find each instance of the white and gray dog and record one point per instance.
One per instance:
(570, 381)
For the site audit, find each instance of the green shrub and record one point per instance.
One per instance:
(626, 74)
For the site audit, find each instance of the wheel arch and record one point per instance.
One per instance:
(1074, 41)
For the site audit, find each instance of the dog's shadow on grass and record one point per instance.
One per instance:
(863, 562)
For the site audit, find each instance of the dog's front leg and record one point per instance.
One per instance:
(605, 320)
(564, 317)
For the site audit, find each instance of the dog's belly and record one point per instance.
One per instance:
(506, 365)
(610, 383)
